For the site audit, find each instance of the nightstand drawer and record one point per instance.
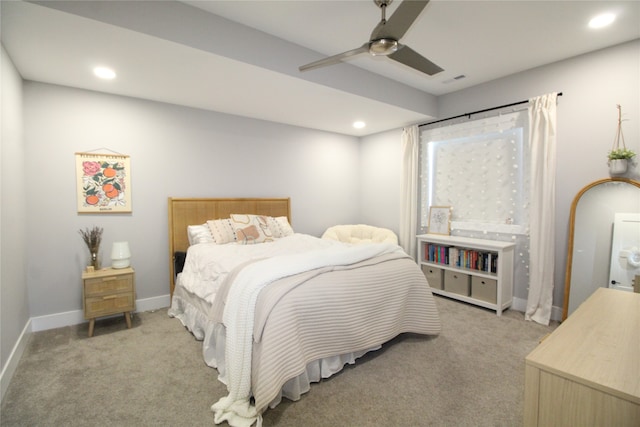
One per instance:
(108, 285)
(108, 304)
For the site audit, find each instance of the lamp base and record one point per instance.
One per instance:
(120, 263)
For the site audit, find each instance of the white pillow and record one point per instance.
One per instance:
(280, 226)
(199, 234)
(251, 228)
(222, 230)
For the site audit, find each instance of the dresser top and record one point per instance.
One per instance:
(598, 345)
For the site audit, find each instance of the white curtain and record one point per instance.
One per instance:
(542, 143)
(409, 190)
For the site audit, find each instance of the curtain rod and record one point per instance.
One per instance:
(479, 111)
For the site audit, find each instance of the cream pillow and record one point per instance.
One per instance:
(199, 234)
(280, 226)
(251, 228)
(222, 231)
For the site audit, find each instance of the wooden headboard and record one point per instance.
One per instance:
(184, 212)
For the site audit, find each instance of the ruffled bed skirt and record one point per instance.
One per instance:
(191, 311)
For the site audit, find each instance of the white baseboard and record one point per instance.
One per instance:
(76, 317)
(556, 313)
(13, 360)
(520, 304)
(148, 304)
(57, 320)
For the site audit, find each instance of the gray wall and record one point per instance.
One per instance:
(380, 173)
(14, 310)
(591, 84)
(175, 152)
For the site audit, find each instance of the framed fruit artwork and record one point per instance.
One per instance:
(103, 183)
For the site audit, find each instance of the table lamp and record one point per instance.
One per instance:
(120, 255)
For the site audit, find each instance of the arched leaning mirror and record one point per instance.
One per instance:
(603, 232)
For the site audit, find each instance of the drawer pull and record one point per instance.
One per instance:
(110, 297)
(108, 279)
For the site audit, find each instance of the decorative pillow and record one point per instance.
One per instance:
(280, 226)
(222, 230)
(199, 234)
(251, 228)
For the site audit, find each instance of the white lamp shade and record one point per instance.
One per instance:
(120, 255)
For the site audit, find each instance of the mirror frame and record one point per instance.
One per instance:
(572, 220)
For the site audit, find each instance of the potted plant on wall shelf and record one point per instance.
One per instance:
(620, 155)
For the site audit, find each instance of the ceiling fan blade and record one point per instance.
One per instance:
(335, 58)
(401, 20)
(409, 57)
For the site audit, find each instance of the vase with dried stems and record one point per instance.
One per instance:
(92, 238)
(620, 155)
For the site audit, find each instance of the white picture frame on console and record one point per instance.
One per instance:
(439, 220)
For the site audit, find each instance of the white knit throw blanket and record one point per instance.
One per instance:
(238, 317)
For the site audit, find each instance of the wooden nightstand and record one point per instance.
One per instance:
(108, 291)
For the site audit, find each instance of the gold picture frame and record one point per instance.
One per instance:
(439, 220)
(103, 183)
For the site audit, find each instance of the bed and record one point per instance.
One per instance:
(278, 310)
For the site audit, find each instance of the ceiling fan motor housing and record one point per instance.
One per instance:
(383, 47)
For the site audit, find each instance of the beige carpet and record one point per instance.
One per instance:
(154, 375)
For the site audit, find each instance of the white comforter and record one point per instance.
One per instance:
(207, 265)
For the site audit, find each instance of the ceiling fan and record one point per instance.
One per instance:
(385, 39)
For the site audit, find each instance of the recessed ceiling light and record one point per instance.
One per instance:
(104, 73)
(602, 20)
(359, 124)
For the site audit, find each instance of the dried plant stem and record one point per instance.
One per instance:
(92, 238)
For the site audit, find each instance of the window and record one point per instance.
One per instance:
(480, 168)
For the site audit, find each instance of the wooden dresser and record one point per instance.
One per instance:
(587, 372)
(108, 291)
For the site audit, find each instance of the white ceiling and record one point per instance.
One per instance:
(196, 53)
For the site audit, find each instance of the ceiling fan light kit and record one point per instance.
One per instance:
(383, 47)
(385, 40)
